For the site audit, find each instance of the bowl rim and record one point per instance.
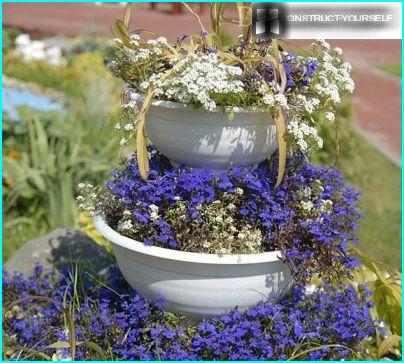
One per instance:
(182, 106)
(182, 256)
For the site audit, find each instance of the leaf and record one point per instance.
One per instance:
(120, 31)
(280, 131)
(122, 27)
(142, 155)
(118, 34)
(96, 348)
(126, 16)
(387, 344)
(60, 345)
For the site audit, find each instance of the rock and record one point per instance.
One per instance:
(59, 249)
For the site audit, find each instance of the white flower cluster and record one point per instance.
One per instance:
(333, 75)
(310, 204)
(309, 104)
(217, 229)
(331, 81)
(270, 100)
(129, 113)
(196, 78)
(32, 50)
(155, 47)
(88, 197)
(301, 132)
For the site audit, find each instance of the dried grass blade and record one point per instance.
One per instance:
(280, 131)
(126, 16)
(195, 15)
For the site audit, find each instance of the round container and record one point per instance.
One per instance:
(199, 138)
(198, 285)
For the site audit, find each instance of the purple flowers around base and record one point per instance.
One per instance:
(328, 324)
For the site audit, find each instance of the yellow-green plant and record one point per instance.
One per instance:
(385, 283)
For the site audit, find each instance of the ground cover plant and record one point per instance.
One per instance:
(47, 316)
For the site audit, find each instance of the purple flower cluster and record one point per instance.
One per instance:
(298, 73)
(126, 326)
(310, 245)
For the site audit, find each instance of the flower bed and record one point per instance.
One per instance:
(311, 217)
(110, 321)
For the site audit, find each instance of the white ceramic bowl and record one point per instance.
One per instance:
(198, 138)
(198, 285)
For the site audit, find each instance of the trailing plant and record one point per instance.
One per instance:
(202, 71)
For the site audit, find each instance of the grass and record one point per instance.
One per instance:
(392, 68)
(380, 181)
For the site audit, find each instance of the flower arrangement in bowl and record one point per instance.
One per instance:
(225, 210)
(209, 242)
(204, 102)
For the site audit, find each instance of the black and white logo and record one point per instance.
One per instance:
(268, 20)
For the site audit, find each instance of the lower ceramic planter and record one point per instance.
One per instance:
(198, 285)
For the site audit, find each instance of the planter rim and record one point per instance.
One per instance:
(182, 256)
(182, 106)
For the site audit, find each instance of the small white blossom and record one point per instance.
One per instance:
(338, 50)
(330, 116)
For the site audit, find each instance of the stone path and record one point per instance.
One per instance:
(377, 100)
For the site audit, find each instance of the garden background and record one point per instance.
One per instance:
(67, 135)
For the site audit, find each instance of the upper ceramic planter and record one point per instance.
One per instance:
(198, 285)
(199, 138)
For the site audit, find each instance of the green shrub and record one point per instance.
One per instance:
(8, 38)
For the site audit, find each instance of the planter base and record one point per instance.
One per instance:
(198, 285)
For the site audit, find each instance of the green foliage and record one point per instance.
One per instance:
(47, 155)
(58, 156)
(392, 68)
(385, 283)
(9, 35)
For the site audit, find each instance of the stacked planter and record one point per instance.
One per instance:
(201, 285)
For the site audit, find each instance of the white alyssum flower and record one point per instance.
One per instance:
(196, 77)
(330, 116)
(129, 127)
(338, 50)
(281, 100)
(300, 131)
(154, 212)
(268, 99)
(125, 225)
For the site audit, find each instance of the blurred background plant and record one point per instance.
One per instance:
(47, 153)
